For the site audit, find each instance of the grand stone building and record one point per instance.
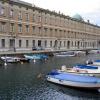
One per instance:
(23, 26)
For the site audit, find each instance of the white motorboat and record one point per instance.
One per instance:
(74, 80)
(10, 59)
(93, 62)
(65, 54)
(82, 70)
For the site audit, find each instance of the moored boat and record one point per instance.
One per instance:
(9, 59)
(65, 54)
(36, 56)
(93, 62)
(23, 60)
(96, 62)
(82, 70)
(74, 80)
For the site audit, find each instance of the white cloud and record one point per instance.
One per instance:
(86, 8)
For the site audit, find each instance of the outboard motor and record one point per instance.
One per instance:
(89, 61)
(63, 68)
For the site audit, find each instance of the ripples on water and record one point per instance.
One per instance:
(20, 82)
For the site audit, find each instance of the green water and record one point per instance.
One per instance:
(21, 81)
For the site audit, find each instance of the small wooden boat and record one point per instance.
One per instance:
(74, 80)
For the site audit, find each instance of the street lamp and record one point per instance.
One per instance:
(14, 39)
(83, 43)
(59, 44)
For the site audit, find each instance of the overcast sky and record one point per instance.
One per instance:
(88, 9)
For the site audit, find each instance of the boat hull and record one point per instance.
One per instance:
(65, 55)
(24, 60)
(96, 63)
(74, 80)
(10, 59)
(36, 57)
(84, 70)
(74, 84)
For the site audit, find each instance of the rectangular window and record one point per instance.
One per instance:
(33, 29)
(20, 15)
(11, 13)
(2, 11)
(50, 43)
(60, 31)
(60, 43)
(39, 19)
(45, 20)
(64, 43)
(55, 31)
(11, 27)
(3, 25)
(45, 30)
(27, 17)
(20, 43)
(45, 43)
(39, 30)
(2, 43)
(51, 31)
(12, 43)
(19, 28)
(64, 33)
(27, 43)
(33, 17)
(50, 20)
(55, 21)
(27, 28)
(33, 42)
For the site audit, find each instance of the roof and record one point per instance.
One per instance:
(78, 17)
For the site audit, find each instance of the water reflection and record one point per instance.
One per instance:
(55, 92)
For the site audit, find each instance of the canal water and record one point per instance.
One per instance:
(22, 81)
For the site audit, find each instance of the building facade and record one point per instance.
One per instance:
(23, 26)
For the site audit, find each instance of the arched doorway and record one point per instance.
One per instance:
(39, 43)
(78, 44)
(55, 44)
(33, 43)
(12, 44)
(98, 44)
(68, 44)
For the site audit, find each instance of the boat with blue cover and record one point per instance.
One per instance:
(85, 66)
(74, 80)
(82, 69)
(36, 56)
